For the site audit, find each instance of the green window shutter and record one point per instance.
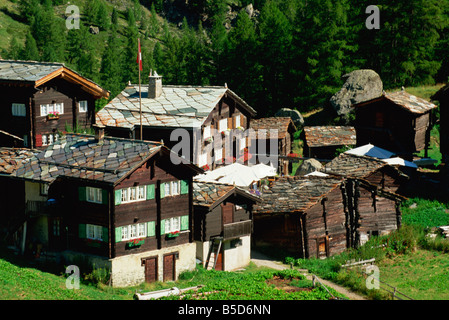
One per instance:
(162, 190)
(151, 229)
(150, 191)
(185, 222)
(162, 226)
(82, 231)
(105, 234)
(104, 196)
(82, 193)
(184, 186)
(118, 234)
(118, 197)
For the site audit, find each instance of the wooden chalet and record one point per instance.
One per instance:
(211, 116)
(398, 121)
(322, 142)
(373, 170)
(116, 203)
(222, 225)
(262, 141)
(40, 100)
(442, 96)
(323, 216)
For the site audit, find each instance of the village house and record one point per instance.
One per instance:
(397, 121)
(262, 141)
(205, 112)
(375, 171)
(222, 225)
(40, 100)
(323, 142)
(115, 203)
(323, 216)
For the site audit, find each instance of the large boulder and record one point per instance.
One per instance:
(308, 166)
(361, 85)
(297, 118)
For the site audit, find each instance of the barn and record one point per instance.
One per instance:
(397, 121)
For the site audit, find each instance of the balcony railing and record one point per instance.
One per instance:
(35, 207)
(236, 229)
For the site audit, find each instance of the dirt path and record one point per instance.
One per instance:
(261, 260)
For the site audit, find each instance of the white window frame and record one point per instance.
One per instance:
(18, 110)
(49, 138)
(94, 195)
(134, 194)
(237, 121)
(83, 106)
(94, 232)
(223, 125)
(219, 152)
(206, 132)
(44, 189)
(51, 107)
(134, 231)
(173, 224)
(242, 143)
(202, 160)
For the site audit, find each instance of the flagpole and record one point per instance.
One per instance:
(140, 91)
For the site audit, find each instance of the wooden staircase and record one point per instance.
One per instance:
(214, 250)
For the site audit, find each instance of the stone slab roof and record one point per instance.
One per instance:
(207, 193)
(354, 166)
(178, 106)
(37, 73)
(283, 125)
(294, 194)
(404, 100)
(26, 70)
(323, 136)
(13, 158)
(81, 156)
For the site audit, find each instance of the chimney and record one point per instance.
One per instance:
(99, 132)
(154, 85)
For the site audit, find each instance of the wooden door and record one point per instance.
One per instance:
(227, 212)
(150, 269)
(169, 267)
(219, 264)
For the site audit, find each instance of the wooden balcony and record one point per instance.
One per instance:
(35, 207)
(237, 229)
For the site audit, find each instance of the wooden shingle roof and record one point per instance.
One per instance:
(294, 194)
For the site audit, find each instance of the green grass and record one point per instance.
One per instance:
(426, 214)
(422, 275)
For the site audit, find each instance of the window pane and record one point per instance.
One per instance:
(133, 231)
(83, 106)
(44, 109)
(167, 189)
(142, 229)
(124, 233)
(124, 195)
(142, 195)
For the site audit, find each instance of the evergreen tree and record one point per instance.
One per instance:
(275, 40)
(30, 51)
(111, 66)
(130, 70)
(102, 17)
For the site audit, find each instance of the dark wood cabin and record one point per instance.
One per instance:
(222, 225)
(40, 100)
(323, 142)
(442, 96)
(262, 141)
(398, 122)
(372, 170)
(122, 202)
(210, 116)
(323, 216)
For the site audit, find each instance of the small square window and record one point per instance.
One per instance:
(82, 106)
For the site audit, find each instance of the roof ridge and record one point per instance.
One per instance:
(33, 62)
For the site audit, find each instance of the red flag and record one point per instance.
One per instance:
(139, 57)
